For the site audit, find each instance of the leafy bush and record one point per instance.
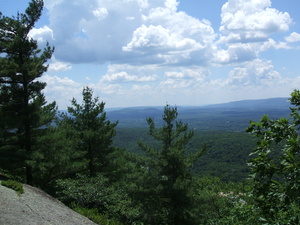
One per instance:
(95, 216)
(13, 185)
(276, 181)
(98, 193)
(215, 199)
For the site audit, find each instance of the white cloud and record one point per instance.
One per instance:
(272, 44)
(121, 77)
(142, 31)
(141, 3)
(172, 5)
(130, 18)
(105, 24)
(141, 88)
(195, 74)
(150, 37)
(61, 90)
(108, 89)
(56, 66)
(256, 72)
(242, 52)
(50, 4)
(183, 78)
(172, 37)
(42, 34)
(252, 19)
(158, 53)
(293, 37)
(155, 32)
(100, 13)
(246, 27)
(59, 82)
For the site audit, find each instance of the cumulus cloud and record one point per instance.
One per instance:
(105, 27)
(61, 90)
(42, 34)
(108, 89)
(100, 13)
(153, 49)
(155, 32)
(184, 78)
(172, 37)
(125, 77)
(238, 52)
(293, 37)
(140, 31)
(56, 66)
(195, 74)
(257, 72)
(252, 20)
(50, 4)
(141, 88)
(272, 44)
(246, 27)
(59, 82)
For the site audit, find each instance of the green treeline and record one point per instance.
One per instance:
(77, 157)
(226, 158)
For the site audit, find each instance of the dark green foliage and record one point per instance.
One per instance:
(166, 188)
(93, 131)
(98, 193)
(4, 175)
(275, 181)
(77, 160)
(215, 198)
(13, 185)
(227, 156)
(95, 216)
(21, 99)
(57, 156)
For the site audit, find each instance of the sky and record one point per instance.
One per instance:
(153, 52)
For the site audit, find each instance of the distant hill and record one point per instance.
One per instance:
(226, 116)
(274, 103)
(221, 127)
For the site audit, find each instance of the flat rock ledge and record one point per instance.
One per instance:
(35, 207)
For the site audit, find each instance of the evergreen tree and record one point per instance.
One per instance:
(56, 156)
(94, 131)
(167, 193)
(21, 99)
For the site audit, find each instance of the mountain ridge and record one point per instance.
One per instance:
(240, 103)
(232, 112)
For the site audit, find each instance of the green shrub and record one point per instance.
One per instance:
(13, 185)
(95, 216)
(97, 192)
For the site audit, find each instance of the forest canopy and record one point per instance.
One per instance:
(72, 154)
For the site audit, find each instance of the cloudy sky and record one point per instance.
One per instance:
(153, 52)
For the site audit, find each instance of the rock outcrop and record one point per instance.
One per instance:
(35, 207)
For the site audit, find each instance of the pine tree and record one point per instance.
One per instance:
(94, 131)
(167, 185)
(56, 156)
(21, 99)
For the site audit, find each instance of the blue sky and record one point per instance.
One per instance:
(149, 52)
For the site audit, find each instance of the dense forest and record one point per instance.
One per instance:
(165, 166)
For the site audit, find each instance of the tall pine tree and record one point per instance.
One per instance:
(167, 192)
(21, 98)
(94, 131)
